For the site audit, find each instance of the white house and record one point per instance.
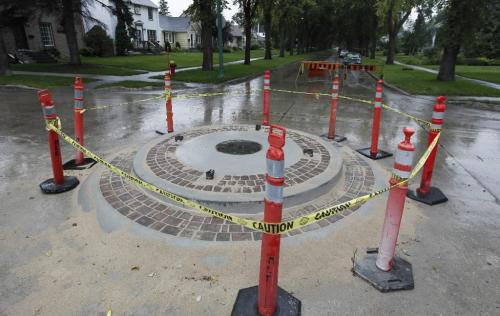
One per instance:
(144, 12)
(179, 32)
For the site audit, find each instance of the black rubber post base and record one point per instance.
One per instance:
(380, 154)
(336, 138)
(435, 196)
(87, 164)
(399, 278)
(50, 187)
(246, 303)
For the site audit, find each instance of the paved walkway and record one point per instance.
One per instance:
(432, 71)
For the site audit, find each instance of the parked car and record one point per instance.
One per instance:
(352, 59)
(343, 53)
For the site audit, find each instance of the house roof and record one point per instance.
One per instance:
(146, 3)
(236, 31)
(174, 24)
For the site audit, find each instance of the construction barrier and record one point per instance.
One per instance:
(381, 267)
(373, 152)
(353, 67)
(266, 98)
(265, 295)
(59, 183)
(426, 193)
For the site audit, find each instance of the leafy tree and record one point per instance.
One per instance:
(396, 13)
(249, 8)
(163, 8)
(203, 12)
(486, 41)
(415, 39)
(124, 27)
(268, 7)
(462, 19)
(227, 36)
(69, 11)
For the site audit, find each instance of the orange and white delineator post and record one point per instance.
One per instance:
(59, 183)
(396, 201)
(266, 98)
(380, 267)
(373, 152)
(168, 103)
(333, 112)
(426, 193)
(78, 118)
(267, 298)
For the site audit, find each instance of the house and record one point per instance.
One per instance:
(238, 40)
(180, 32)
(43, 32)
(146, 20)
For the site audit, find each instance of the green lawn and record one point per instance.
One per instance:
(240, 70)
(160, 62)
(83, 69)
(424, 83)
(38, 81)
(131, 84)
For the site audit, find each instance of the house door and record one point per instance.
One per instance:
(20, 37)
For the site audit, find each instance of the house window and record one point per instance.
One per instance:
(137, 10)
(150, 14)
(47, 35)
(152, 36)
(138, 35)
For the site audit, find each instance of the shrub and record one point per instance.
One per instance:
(255, 47)
(178, 45)
(99, 42)
(481, 61)
(54, 52)
(227, 49)
(87, 51)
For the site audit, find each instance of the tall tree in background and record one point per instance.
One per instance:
(69, 11)
(163, 8)
(395, 13)
(203, 12)
(268, 7)
(249, 7)
(462, 19)
(124, 27)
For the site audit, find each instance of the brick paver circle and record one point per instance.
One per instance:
(356, 178)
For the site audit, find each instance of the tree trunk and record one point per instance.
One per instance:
(4, 61)
(248, 35)
(267, 28)
(282, 41)
(391, 49)
(206, 36)
(70, 30)
(447, 66)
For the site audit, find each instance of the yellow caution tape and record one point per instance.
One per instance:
(271, 228)
(385, 106)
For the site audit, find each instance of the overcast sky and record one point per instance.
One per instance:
(176, 7)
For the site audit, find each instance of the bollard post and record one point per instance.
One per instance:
(168, 104)
(333, 113)
(267, 298)
(59, 183)
(381, 268)
(267, 92)
(426, 193)
(373, 152)
(80, 161)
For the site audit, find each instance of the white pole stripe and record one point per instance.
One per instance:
(377, 104)
(404, 157)
(275, 168)
(274, 193)
(438, 115)
(436, 126)
(78, 104)
(335, 95)
(378, 94)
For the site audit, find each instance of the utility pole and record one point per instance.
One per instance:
(219, 39)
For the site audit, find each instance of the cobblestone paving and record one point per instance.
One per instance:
(162, 161)
(141, 207)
